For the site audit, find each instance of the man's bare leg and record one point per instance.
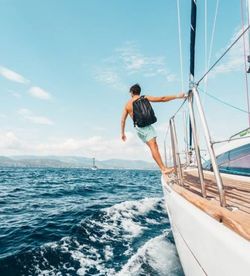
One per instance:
(157, 157)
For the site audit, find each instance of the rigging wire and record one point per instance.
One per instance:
(180, 107)
(211, 42)
(205, 39)
(180, 44)
(225, 103)
(226, 51)
(213, 32)
(245, 59)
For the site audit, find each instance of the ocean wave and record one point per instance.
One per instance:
(157, 256)
(96, 240)
(105, 241)
(125, 215)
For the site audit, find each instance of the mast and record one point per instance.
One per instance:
(192, 41)
(192, 61)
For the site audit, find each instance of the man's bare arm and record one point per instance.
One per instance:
(165, 98)
(123, 123)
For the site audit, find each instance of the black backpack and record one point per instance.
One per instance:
(143, 113)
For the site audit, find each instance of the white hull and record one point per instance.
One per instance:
(205, 246)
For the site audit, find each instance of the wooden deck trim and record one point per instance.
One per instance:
(237, 191)
(237, 221)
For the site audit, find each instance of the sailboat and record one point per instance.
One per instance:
(94, 167)
(208, 203)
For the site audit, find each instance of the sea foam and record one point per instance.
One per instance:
(157, 255)
(113, 228)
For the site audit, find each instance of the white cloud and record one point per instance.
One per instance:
(128, 60)
(28, 115)
(9, 141)
(12, 76)
(39, 93)
(109, 77)
(98, 146)
(134, 61)
(34, 91)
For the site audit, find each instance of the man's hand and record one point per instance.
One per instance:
(181, 96)
(124, 138)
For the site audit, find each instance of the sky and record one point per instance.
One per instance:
(66, 68)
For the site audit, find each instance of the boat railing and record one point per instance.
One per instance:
(193, 97)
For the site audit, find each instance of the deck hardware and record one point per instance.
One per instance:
(196, 143)
(175, 151)
(210, 147)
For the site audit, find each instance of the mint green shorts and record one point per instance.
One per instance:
(146, 133)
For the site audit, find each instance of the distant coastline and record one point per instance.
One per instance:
(72, 162)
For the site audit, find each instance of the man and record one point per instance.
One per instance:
(147, 133)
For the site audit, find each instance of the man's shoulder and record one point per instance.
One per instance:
(128, 103)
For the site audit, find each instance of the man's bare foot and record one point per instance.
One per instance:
(168, 171)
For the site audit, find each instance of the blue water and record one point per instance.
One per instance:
(84, 222)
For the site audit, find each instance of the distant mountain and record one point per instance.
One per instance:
(130, 164)
(72, 162)
(6, 161)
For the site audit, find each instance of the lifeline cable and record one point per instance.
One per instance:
(229, 140)
(225, 103)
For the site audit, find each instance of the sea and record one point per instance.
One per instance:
(84, 222)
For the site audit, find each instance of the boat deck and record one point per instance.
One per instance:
(237, 191)
(237, 214)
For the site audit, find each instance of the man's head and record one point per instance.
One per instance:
(135, 89)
